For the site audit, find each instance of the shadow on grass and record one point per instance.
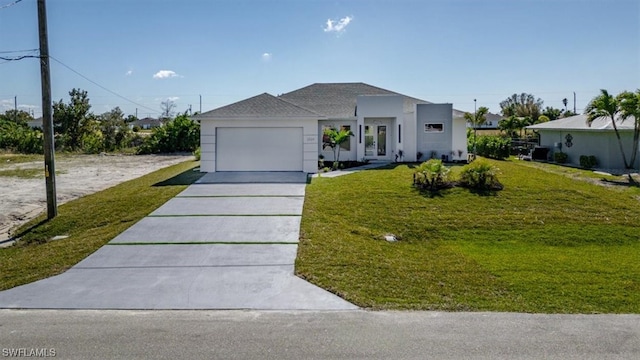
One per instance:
(628, 183)
(187, 177)
(26, 231)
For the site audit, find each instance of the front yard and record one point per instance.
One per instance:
(546, 243)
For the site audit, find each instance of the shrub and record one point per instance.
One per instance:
(20, 138)
(196, 153)
(560, 157)
(492, 146)
(431, 175)
(480, 175)
(178, 135)
(588, 161)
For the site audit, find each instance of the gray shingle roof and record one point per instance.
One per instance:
(336, 100)
(263, 105)
(579, 122)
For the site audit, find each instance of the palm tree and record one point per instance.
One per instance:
(335, 139)
(476, 119)
(630, 108)
(607, 106)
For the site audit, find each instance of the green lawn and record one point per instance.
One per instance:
(546, 243)
(90, 222)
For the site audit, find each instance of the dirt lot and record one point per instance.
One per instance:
(23, 199)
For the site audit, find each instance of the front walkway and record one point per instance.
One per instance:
(214, 246)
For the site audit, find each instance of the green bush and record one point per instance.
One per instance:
(20, 138)
(179, 135)
(560, 157)
(492, 146)
(480, 175)
(431, 175)
(197, 153)
(588, 161)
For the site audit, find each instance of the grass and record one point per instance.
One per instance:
(547, 243)
(90, 222)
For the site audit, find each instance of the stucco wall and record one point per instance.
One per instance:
(602, 144)
(382, 109)
(208, 139)
(440, 142)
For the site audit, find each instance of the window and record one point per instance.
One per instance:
(346, 146)
(433, 127)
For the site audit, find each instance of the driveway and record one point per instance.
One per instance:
(227, 242)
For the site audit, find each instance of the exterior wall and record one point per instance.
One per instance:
(345, 155)
(602, 144)
(440, 142)
(208, 139)
(383, 109)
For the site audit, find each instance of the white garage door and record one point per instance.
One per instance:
(259, 149)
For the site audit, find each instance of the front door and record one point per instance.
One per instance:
(375, 141)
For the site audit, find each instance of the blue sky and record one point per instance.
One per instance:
(451, 51)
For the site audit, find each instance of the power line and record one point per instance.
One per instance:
(16, 58)
(9, 4)
(100, 86)
(17, 51)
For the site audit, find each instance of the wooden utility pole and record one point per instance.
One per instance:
(47, 116)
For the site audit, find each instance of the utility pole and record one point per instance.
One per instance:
(574, 103)
(189, 109)
(200, 104)
(15, 109)
(136, 113)
(47, 116)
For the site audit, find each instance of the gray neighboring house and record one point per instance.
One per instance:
(285, 132)
(574, 137)
(146, 123)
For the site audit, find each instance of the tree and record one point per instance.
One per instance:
(522, 105)
(552, 113)
(622, 107)
(509, 125)
(114, 129)
(334, 139)
(565, 102)
(630, 109)
(68, 119)
(477, 119)
(168, 110)
(20, 117)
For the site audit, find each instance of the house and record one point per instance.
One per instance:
(146, 123)
(35, 123)
(574, 137)
(492, 122)
(285, 132)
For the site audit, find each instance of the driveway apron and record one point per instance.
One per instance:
(226, 242)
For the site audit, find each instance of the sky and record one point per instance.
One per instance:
(134, 54)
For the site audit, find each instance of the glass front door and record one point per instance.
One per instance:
(375, 141)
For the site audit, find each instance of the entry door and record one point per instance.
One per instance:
(375, 141)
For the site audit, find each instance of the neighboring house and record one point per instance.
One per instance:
(493, 120)
(285, 132)
(146, 123)
(35, 123)
(574, 137)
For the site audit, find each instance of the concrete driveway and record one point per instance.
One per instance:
(227, 242)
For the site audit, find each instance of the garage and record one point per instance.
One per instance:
(259, 149)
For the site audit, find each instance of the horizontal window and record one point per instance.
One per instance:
(434, 127)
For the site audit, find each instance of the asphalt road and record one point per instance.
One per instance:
(109, 334)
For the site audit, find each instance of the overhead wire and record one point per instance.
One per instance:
(100, 86)
(9, 4)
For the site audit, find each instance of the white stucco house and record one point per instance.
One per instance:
(285, 132)
(574, 137)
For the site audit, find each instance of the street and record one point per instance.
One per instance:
(109, 334)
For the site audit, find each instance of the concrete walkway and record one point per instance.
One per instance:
(217, 245)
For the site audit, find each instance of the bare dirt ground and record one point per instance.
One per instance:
(23, 199)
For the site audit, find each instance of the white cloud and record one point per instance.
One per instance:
(165, 74)
(338, 26)
(129, 73)
(173, 98)
(267, 56)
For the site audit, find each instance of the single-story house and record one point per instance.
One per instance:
(492, 122)
(146, 123)
(285, 132)
(574, 137)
